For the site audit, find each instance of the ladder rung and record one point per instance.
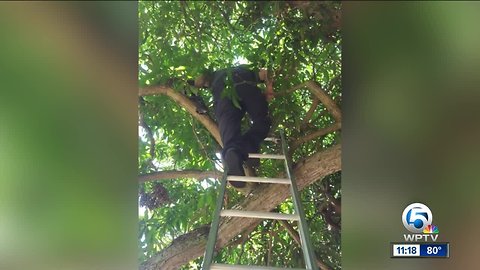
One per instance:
(218, 266)
(258, 214)
(272, 156)
(259, 179)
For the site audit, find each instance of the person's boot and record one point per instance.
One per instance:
(234, 163)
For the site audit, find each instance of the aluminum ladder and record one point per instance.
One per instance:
(299, 215)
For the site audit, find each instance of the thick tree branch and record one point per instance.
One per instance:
(185, 103)
(193, 241)
(325, 99)
(264, 198)
(198, 174)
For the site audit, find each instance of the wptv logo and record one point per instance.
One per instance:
(417, 218)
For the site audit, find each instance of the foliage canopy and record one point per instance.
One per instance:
(298, 41)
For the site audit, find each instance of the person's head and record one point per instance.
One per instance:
(202, 81)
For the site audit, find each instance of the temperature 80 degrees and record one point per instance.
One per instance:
(438, 250)
(433, 250)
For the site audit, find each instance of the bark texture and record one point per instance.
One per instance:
(264, 198)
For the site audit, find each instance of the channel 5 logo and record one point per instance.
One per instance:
(417, 218)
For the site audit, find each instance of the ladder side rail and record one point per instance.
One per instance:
(302, 224)
(212, 234)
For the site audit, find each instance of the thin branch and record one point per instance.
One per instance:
(271, 235)
(150, 138)
(291, 90)
(149, 135)
(328, 216)
(241, 252)
(291, 231)
(194, 130)
(294, 234)
(314, 135)
(185, 103)
(225, 16)
(319, 93)
(334, 202)
(333, 82)
(319, 116)
(173, 174)
(310, 111)
(245, 235)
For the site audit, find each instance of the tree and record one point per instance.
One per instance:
(178, 148)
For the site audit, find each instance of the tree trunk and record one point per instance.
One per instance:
(264, 198)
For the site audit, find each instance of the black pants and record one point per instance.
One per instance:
(229, 117)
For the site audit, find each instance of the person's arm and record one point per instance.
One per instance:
(200, 106)
(264, 75)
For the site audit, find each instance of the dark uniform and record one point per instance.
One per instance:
(236, 145)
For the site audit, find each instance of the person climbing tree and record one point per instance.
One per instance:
(231, 104)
